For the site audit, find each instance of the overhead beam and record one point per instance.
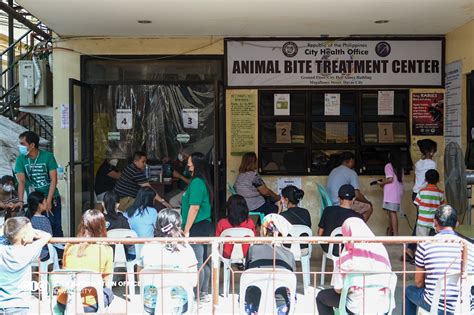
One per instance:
(20, 18)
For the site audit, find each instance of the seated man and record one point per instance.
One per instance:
(105, 179)
(333, 217)
(433, 261)
(344, 174)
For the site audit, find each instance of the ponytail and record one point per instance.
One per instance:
(293, 194)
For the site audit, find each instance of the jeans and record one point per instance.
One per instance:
(253, 296)
(201, 252)
(55, 219)
(414, 298)
(326, 300)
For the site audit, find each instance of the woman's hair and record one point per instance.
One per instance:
(168, 224)
(201, 170)
(293, 194)
(237, 210)
(145, 198)
(92, 225)
(111, 199)
(34, 200)
(427, 146)
(395, 159)
(249, 162)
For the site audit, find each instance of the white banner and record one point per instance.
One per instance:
(452, 125)
(341, 62)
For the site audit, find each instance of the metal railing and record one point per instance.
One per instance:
(215, 260)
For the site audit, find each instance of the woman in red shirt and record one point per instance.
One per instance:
(237, 217)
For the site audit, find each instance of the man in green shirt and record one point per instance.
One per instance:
(36, 170)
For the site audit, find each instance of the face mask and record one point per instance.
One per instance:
(7, 188)
(180, 157)
(23, 149)
(113, 162)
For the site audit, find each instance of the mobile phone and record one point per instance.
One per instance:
(375, 182)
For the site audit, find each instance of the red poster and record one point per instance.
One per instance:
(427, 114)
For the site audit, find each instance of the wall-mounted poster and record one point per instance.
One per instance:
(427, 114)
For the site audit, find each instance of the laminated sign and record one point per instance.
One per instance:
(124, 119)
(190, 118)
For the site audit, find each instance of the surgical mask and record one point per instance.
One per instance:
(7, 188)
(180, 157)
(113, 162)
(23, 149)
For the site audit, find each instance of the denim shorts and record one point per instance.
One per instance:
(390, 206)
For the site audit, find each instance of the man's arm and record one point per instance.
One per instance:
(360, 197)
(53, 175)
(114, 174)
(157, 196)
(21, 186)
(180, 176)
(420, 277)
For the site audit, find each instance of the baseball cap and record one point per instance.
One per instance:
(346, 192)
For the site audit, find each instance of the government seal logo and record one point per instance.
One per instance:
(290, 49)
(383, 49)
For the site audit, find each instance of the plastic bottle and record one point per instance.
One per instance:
(60, 171)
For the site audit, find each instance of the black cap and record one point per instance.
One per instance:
(346, 192)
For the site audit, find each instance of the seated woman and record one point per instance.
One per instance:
(92, 257)
(354, 258)
(36, 206)
(290, 198)
(114, 218)
(237, 216)
(142, 214)
(251, 186)
(263, 256)
(176, 257)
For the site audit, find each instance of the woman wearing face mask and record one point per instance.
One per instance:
(8, 197)
(107, 175)
(290, 198)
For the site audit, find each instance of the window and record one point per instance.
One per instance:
(309, 137)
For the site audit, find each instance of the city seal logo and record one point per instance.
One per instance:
(383, 49)
(290, 49)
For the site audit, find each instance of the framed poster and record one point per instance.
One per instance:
(427, 114)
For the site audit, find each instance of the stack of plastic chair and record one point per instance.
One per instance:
(120, 259)
(165, 282)
(43, 268)
(384, 304)
(268, 280)
(324, 197)
(237, 255)
(330, 253)
(74, 281)
(303, 255)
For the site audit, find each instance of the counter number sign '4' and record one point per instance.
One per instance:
(124, 119)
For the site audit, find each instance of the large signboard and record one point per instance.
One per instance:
(335, 62)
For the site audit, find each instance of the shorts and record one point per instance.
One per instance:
(390, 206)
(125, 203)
(360, 207)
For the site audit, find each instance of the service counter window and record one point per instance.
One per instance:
(304, 132)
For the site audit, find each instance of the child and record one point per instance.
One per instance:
(428, 200)
(36, 206)
(24, 245)
(392, 190)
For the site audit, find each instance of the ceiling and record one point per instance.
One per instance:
(250, 17)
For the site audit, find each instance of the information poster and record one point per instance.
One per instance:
(282, 182)
(124, 119)
(332, 104)
(190, 118)
(385, 132)
(427, 114)
(452, 128)
(243, 108)
(282, 104)
(385, 102)
(337, 132)
(283, 132)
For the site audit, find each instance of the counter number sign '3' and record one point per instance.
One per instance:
(124, 119)
(190, 118)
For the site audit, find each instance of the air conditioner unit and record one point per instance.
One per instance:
(29, 78)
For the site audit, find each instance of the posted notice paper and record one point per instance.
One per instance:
(281, 104)
(332, 104)
(282, 182)
(385, 102)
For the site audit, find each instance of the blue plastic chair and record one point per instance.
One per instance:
(357, 279)
(259, 215)
(324, 196)
(231, 189)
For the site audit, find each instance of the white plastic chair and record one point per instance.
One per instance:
(43, 268)
(451, 279)
(120, 259)
(268, 280)
(164, 281)
(329, 254)
(370, 303)
(302, 255)
(237, 255)
(464, 305)
(74, 281)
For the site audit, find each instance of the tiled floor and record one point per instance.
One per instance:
(305, 300)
